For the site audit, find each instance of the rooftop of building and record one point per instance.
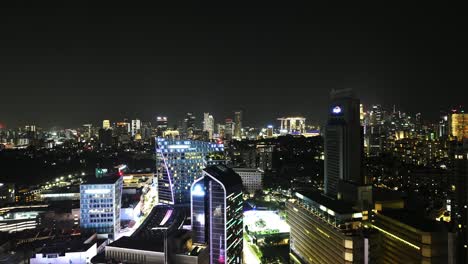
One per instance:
(227, 176)
(382, 194)
(63, 245)
(413, 219)
(65, 189)
(138, 243)
(246, 170)
(102, 180)
(161, 216)
(337, 206)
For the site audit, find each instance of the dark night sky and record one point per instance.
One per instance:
(69, 65)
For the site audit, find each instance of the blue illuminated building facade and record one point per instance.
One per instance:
(100, 202)
(179, 163)
(216, 205)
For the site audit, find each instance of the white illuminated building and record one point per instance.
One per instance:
(208, 124)
(74, 250)
(136, 127)
(100, 204)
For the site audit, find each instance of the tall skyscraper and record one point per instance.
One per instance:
(208, 124)
(343, 145)
(87, 133)
(106, 124)
(135, 127)
(459, 198)
(459, 124)
(100, 203)
(161, 125)
(443, 126)
(179, 163)
(327, 228)
(216, 201)
(188, 126)
(238, 124)
(229, 129)
(376, 115)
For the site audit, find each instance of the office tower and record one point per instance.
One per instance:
(328, 228)
(269, 131)
(376, 115)
(216, 202)
(459, 124)
(105, 137)
(343, 144)
(188, 126)
(31, 133)
(324, 230)
(292, 125)
(443, 126)
(179, 163)
(238, 124)
(106, 124)
(251, 179)
(161, 125)
(122, 128)
(100, 202)
(264, 155)
(146, 131)
(221, 131)
(361, 113)
(30, 128)
(135, 127)
(208, 124)
(87, 131)
(229, 129)
(459, 198)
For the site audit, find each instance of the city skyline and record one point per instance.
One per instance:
(218, 119)
(269, 61)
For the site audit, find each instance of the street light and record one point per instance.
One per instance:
(164, 229)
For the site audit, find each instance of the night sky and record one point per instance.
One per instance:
(70, 65)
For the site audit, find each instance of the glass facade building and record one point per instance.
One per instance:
(217, 221)
(179, 163)
(100, 202)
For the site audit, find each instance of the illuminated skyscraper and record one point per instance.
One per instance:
(106, 124)
(216, 202)
(343, 145)
(179, 163)
(135, 127)
(229, 129)
(238, 124)
(208, 124)
(459, 124)
(376, 115)
(100, 202)
(188, 126)
(161, 125)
